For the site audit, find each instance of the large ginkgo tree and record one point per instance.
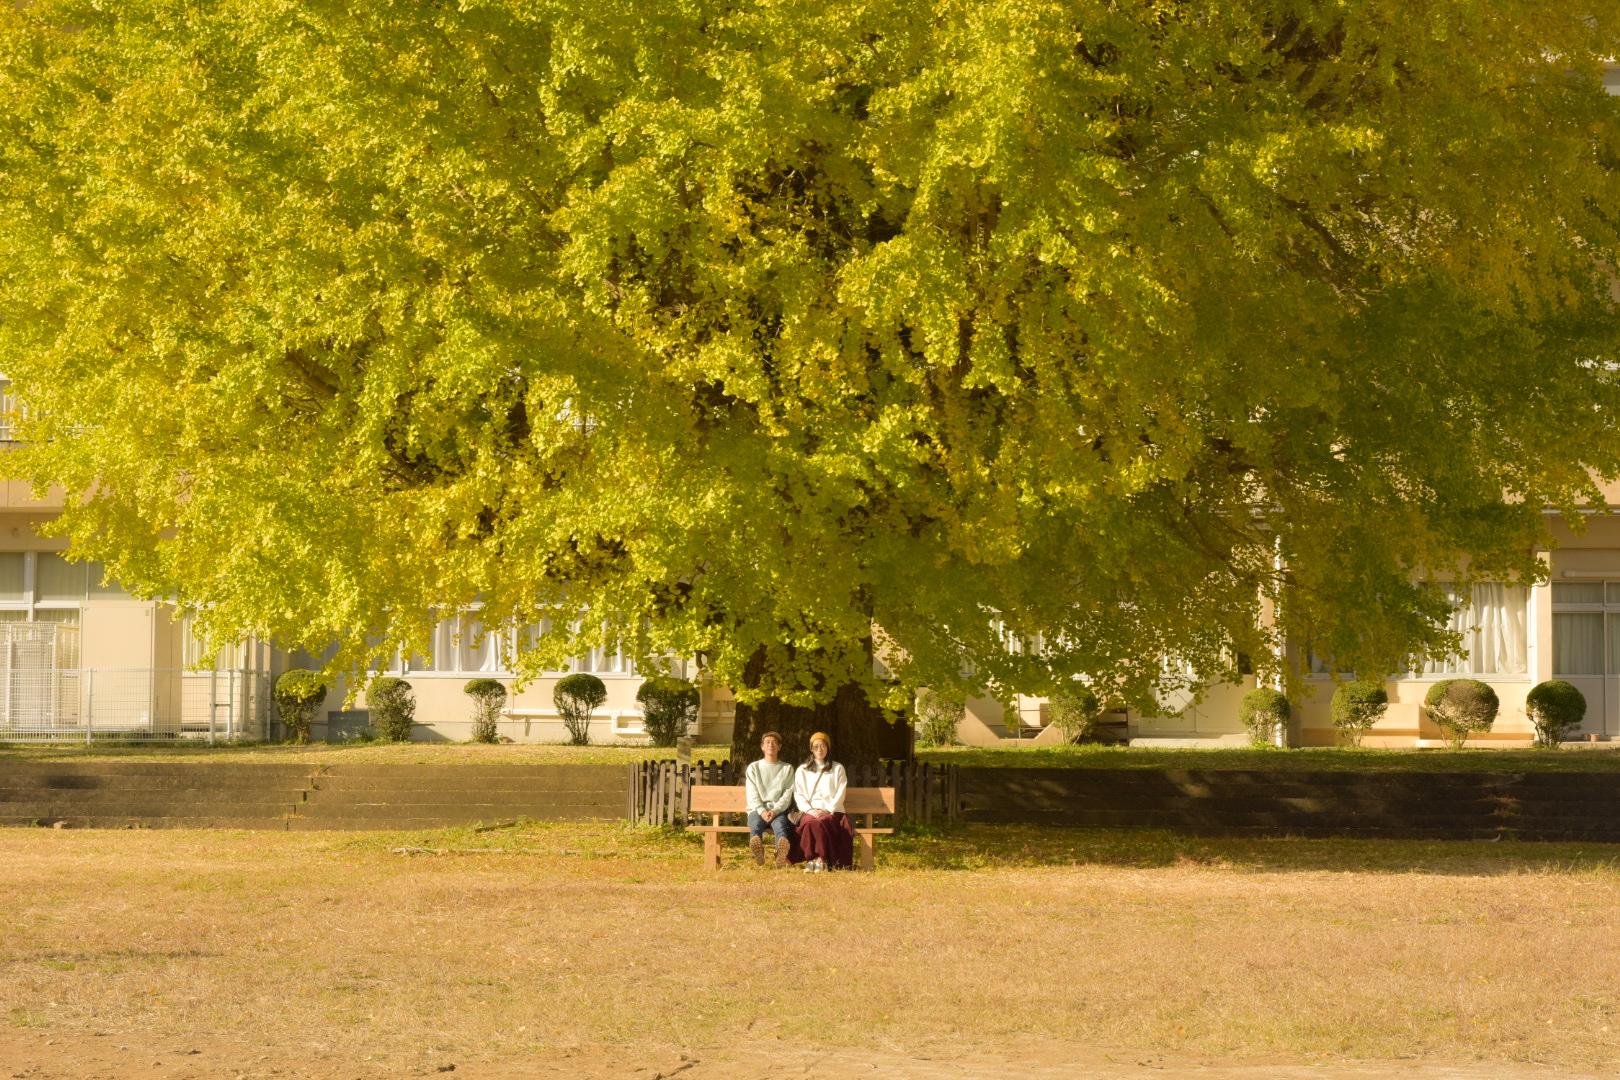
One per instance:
(1009, 339)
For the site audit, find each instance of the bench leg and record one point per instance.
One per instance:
(868, 844)
(711, 850)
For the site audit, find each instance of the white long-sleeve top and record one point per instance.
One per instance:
(820, 790)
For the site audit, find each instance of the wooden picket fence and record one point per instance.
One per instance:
(660, 790)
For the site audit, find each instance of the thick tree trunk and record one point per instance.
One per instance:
(860, 735)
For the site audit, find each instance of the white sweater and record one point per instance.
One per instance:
(769, 786)
(814, 790)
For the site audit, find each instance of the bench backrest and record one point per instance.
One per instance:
(714, 799)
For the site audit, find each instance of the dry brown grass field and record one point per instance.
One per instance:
(602, 950)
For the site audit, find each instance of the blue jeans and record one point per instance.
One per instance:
(758, 826)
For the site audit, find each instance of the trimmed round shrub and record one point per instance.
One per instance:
(1074, 711)
(576, 697)
(1357, 706)
(1462, 707)
(393, 708)
(668, 707)
(298, 692)
(1556, 708)
(1264, 712)
(489, 697)
(938, 714)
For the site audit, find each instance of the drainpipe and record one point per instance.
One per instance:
(1279, 647)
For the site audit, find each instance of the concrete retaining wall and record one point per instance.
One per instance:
(111, 794)
(1532, 806)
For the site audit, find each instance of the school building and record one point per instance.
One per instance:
(83, 659)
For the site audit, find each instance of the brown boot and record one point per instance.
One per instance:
(782, 848)
(757, 846)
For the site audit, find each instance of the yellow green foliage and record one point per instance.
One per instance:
(745, 327)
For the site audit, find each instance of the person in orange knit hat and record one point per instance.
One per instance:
(825, 834)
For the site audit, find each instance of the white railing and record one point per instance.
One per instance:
(135, 704)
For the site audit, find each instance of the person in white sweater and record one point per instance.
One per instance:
(769, 786)
(825, 835)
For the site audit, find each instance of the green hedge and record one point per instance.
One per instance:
(1462, 707)
(297, 694)
(576, 697)
(1264, 712)
(1556, 708)
(393, 707)
(668, 707)
(489, 696)
(1357, 706)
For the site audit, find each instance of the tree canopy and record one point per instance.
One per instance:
(750, 328)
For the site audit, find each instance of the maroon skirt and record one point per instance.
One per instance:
(830, 839)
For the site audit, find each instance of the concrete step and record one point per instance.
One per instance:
(403, 823)
(1111, 818)
(392, 773)
(455, 794)
(149, 794)
(149, 808)
(1409, 831)
(386, 797)
(204, 767)
(1299, 807)
(175, 784)
(106, 821)
(604, 807)
(443, 795)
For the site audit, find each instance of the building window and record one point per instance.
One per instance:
(9, 411)
(1494, 629)
(13, 577)
(56, 579)
(1586, 628)
(43, 586)
(462, 647)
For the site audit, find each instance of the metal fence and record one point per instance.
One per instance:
(661, 791)
(138, 704)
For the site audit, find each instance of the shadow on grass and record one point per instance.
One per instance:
(990, 848)
(572, 840)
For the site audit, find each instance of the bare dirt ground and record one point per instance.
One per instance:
(598, 951)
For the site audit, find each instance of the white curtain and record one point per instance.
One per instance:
(1501, 643)
(461, 647)
(1495, 632)
(600, 661)
(1578, 643)
(478, 651)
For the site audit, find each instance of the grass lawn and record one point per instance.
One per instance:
(602, 950)
(1322, 759)
(1054, 757)
(376, 753)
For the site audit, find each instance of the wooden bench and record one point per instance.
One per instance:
(714, 800)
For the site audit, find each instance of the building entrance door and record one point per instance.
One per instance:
(1586, 649)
